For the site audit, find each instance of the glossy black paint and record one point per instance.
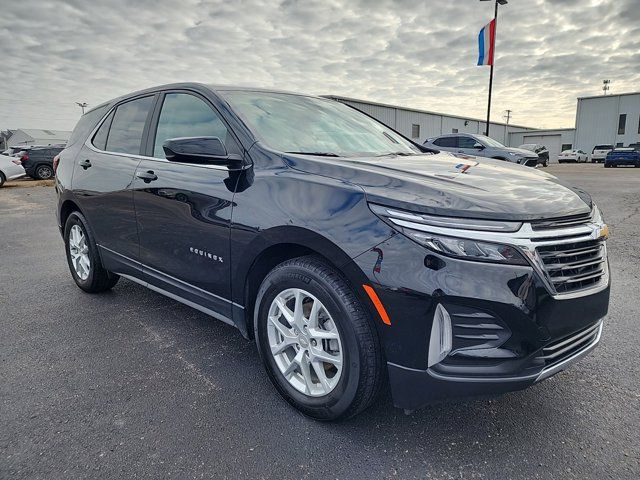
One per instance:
(207, 235)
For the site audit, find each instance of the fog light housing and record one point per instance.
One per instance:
(441, 337)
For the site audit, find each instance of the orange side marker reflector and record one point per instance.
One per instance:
(378, 304)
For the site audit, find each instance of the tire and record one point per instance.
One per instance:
(97, 278)
(545, 163)
(360, 378)
(606, 165)
(2, 179)
(43, 172)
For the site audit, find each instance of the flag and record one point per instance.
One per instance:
(486, 43)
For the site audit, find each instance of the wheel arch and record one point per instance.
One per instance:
(67, 208)
(276, 249)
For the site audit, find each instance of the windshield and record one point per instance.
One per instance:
(489, 142)
(299, 124)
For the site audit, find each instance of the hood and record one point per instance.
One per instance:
(453, 184)
(523, 152)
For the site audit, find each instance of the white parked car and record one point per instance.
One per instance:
(599, 153)
(572, 156)
(10, 169)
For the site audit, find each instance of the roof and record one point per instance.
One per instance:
(610, 95)
(429, 112)
(46, 134)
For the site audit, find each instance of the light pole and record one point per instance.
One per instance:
(507, 117)
(82, 105)
(495, 19)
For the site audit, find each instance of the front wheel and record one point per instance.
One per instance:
(83, 257)
(316, 340)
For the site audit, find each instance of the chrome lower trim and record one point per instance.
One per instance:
(173, 296)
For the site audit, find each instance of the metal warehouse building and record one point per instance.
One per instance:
(603, 119)
(422, 124)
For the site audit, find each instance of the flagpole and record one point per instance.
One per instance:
(495, 19)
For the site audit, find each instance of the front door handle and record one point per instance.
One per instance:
(147, 177)
(85, 163)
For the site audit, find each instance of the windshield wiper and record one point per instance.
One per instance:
(317, 154)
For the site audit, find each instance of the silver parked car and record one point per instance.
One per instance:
(482, 146)
(10, 169)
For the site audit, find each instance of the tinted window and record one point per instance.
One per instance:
(125, 134)
(86, 124)
(446, 142)
(185, 115)
(466, 142)
(299, 124)
(100, 138)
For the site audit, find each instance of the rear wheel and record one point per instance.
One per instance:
(83, 257)
(316, 340)
(2, 179)
(43, 172)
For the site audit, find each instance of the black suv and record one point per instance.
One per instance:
(354, 257)
(37, 161)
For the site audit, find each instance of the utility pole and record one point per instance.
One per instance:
(606, 85)
(507, 117)
(82, 105)
(495, 20)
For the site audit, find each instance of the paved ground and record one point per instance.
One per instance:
(131, 384)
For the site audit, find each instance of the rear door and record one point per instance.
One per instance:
(184, 210)
(103, 181)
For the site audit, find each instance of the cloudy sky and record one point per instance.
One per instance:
(416, 53)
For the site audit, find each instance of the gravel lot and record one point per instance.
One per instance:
(132, 384)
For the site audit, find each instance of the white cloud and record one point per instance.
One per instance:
(413, 53)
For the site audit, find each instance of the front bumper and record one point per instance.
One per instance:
(413, 388)
(505, 323)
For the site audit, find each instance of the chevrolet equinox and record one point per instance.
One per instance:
(354, 257)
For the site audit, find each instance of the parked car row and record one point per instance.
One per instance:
(483, 146)
(37, 161)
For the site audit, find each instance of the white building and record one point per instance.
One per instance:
(27, 136)
(610, 119)
(419, 125)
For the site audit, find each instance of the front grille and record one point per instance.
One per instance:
(564, 222)
(566, 347)
(574, 266)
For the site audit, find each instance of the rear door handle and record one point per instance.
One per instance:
(147, 177)
(85, 163)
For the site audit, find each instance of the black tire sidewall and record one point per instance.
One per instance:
(40, 177)
(77, 219)
(341, 397)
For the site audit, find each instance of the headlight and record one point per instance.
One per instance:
(468, 249)
(417, 226)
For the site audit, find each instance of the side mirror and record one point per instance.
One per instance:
(478, 146)
(200, 150)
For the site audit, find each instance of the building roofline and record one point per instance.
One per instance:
(610, 95)
(418, 110)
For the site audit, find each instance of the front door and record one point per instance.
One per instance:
(103, 178)
(184, 210)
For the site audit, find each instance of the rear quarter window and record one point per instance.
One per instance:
(86, 123)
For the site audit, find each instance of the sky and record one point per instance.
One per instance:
(414, 53)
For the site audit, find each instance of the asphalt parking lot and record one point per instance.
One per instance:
(132, 384)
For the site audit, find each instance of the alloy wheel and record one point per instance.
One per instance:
(79, 251)
(305, 342)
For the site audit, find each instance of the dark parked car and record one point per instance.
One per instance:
(352, 256)
(623, 156)
(38, 161)
(540, 150)
(482, 146)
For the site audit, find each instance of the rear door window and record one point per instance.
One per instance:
(127, 126)
(446, 142)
